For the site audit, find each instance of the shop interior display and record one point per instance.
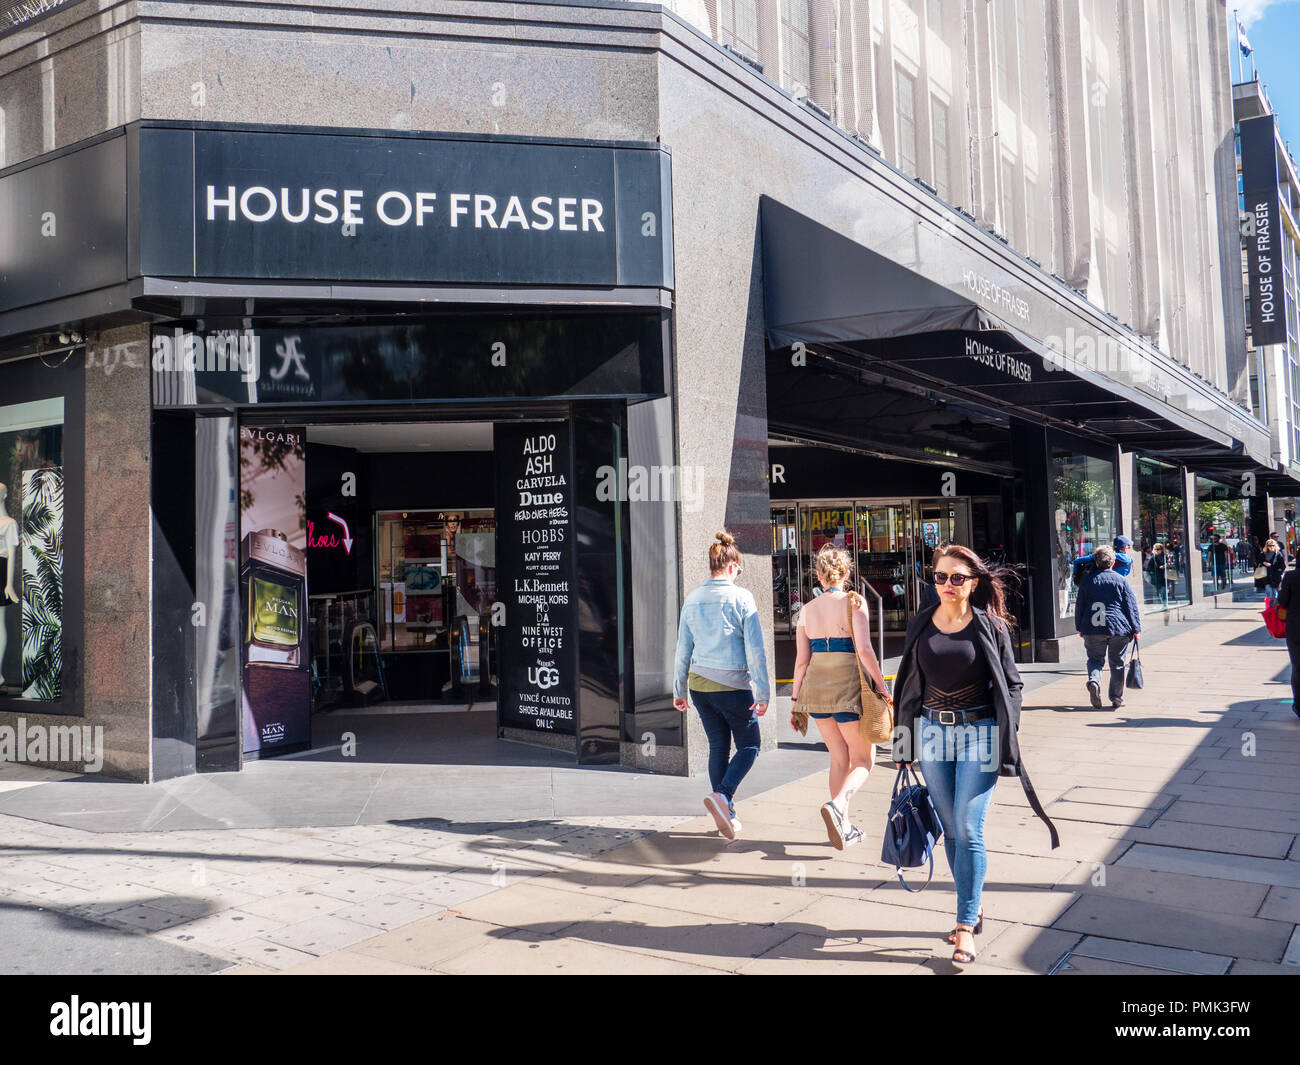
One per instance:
(433, 566)
(8, 585)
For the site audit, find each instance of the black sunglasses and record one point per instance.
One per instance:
(958, 579)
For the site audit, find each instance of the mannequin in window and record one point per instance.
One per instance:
(9, 566)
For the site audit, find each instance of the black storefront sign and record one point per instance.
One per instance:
(437, 358)
(1262, 229)
(63, 225)
(176, 202)
(536, 578)
(430, 209)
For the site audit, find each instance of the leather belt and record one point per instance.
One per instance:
(962, 717)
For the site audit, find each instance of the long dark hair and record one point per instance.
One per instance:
(990, 592)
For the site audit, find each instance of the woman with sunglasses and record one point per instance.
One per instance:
(719, 656)
(957, 709)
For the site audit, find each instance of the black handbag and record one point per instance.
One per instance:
(1134, 679)
(912, 830)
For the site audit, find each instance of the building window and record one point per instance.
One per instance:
(905, 106)
(939, 130)
(1222, 526)
(31, 549)
(1083, 502)
(1158, 535)
(738, 25)
(798, 47)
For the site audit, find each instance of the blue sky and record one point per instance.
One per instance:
(1273, 27)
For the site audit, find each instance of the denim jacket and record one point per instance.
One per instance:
(720, 628)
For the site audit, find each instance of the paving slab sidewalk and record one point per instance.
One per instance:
(1179, 816)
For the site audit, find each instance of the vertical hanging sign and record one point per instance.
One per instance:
(1262, 231)
(535, 578)
(273, 589)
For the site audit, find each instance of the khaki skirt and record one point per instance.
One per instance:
(831, 685)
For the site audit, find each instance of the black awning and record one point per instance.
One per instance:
(833, 294)
(820, 286)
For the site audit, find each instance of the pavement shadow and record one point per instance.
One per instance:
(1162, 841)
(780, 941)
(45, 939)
(1255, 638)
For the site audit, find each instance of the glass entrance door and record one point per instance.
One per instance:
(936, 521)
(884, 544)
(818, 525)
(890, 542)
(785, 570)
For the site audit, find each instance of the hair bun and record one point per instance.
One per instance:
(725, 538)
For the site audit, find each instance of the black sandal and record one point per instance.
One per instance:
(959, 956)
(979, 927)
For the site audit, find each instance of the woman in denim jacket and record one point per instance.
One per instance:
(719, 656)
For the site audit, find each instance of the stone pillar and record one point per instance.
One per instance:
(1191, 537)
(1130, 517)
(117, 548)
(1031, 457)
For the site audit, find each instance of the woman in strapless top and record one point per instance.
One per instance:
(827, 687)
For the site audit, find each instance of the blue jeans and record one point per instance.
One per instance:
(725, 715)
(960, 766)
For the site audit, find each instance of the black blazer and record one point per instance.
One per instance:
(1289, 596)
(1276, 563)
(909, 689)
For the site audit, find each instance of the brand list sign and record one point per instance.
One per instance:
(1262, 231)
(535, 578)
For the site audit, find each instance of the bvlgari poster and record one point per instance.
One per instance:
(273, 589)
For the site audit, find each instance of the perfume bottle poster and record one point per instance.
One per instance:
(276, 673)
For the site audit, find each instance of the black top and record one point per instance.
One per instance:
(955, 671)
(994, 640)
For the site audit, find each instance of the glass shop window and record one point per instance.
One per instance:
(31, 550)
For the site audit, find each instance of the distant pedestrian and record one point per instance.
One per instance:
(827, 686)
(1272, 565)
(1288, 597)
(1219, 561)
(1123, 560)
(720, 657)
(1256, 550)
(1109, 619)
(1158, 568)
(957, 708)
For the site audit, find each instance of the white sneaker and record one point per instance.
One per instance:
(718, 806)
(853, 835)
(834, 824)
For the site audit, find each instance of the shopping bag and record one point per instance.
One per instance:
(913, 829)
(1274, 618)
(1134, 679)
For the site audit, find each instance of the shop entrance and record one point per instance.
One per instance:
(890, 542)
(391, 529)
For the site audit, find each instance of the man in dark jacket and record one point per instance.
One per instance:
(1107, 617)
(1288, 598)
(1122, 564)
